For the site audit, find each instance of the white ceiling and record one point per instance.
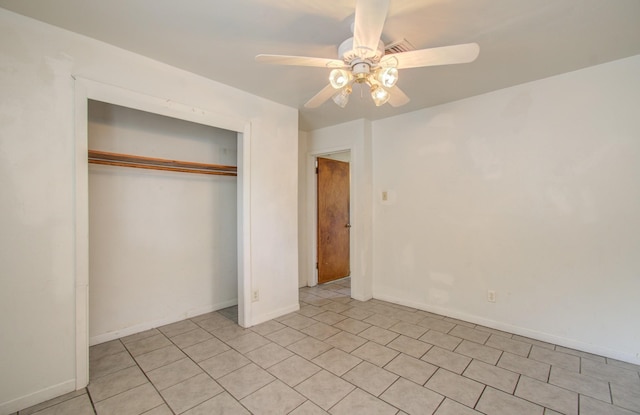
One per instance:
(520, 41)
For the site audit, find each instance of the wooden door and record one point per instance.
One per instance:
(333, 220)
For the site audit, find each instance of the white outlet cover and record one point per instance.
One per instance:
(387, 197)
(491, 296)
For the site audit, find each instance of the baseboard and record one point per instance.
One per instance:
(147, 325)
(358, 297)
(35, 398)
(274, 314)
(522, 331)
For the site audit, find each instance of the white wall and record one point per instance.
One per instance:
(532, 191)
(162, 245)
(37, 178)
(354, 136)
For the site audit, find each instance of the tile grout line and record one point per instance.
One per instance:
(147, 377)
(515, 388)
(294, 409)
(610, 392)
(579, 395)
(480, 396)
(215, 380)
(93, 405)
(389, 387)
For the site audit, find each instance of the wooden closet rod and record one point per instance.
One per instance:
(139, 162)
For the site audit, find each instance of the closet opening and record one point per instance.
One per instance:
(162, 220)
(146, 210)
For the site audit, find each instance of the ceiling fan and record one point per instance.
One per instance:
(362, 60)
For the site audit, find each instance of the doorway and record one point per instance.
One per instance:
(333, 218)
(355, 139)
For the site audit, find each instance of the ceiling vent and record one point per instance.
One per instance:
(399, 46)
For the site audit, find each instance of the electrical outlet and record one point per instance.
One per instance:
(255, 296)
(491, 296)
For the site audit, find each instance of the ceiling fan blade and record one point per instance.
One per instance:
(367, 28)
(320, 98)
(397, 97)
(445, 55)
(300, 61)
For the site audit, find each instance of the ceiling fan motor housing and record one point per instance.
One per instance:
(360, 70)
(353, 56)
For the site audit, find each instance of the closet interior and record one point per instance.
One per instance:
(162, 220)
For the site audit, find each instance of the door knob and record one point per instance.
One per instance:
(348, 225)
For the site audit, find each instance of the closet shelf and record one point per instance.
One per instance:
(139, 162)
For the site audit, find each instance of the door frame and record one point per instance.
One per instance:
(312, 210)
(86, 89)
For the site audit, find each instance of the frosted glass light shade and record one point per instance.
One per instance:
(388, 77)
(342, 97)
(380, 95)
(339, 78)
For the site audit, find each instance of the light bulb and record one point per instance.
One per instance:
(387, 77)
(380, 95)
(339, 78)
(342, 97)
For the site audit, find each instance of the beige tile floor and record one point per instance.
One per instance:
(342, 356)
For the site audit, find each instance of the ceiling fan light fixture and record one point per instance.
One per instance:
(339, 78)
(363, 59)
(342, 97)
(387, 77)
(380, 95)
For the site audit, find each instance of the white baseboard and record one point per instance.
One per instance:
(274, 314)
(35, 398)
(522, 331)
(358, 297)
(147, 325)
